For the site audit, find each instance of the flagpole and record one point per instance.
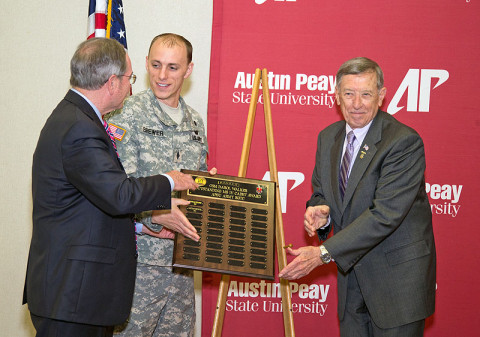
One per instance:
(109, 19)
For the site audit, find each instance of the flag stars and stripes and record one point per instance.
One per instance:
(106, 20)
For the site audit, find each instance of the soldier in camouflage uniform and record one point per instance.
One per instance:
(150, 141)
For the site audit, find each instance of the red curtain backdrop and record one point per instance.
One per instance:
(429, 51)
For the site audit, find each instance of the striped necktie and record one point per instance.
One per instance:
(346, 163)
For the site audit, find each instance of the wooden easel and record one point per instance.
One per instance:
(279, 238)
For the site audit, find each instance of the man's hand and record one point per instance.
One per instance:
(307, 258)
(213, 171)
(164, 233)
(314, 218)
(175, 220)
(182, 181)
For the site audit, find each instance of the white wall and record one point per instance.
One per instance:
(37, 40)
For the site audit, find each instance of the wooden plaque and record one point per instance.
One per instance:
(235, 219)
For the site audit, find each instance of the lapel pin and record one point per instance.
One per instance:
(363, 153)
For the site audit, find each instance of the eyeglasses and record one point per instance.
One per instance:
(132, 78)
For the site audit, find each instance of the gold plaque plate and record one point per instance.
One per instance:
(235, 219)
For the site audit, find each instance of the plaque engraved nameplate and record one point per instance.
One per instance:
(235, 219)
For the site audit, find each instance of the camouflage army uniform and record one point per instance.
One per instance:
(164, 300)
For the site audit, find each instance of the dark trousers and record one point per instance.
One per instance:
(358, 323)
(47, 327)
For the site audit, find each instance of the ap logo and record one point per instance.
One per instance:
(418, 85)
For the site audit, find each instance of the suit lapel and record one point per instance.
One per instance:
(364, 157)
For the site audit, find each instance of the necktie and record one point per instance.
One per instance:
(346, 163)
(112, 137)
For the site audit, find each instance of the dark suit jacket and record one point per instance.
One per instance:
(383, 228)
(82, 259)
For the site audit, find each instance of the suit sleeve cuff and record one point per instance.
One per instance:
(172, 183)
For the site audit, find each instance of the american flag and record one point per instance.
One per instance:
(105, 19)
(117, 131)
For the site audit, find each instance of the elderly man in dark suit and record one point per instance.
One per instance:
(369, 185)
(81, 266)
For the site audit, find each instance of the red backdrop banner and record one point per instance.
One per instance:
(428, 51)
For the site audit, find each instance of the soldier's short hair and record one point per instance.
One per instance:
(170, 40)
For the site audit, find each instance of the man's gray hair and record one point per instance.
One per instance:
(360, 65)
(94, 61)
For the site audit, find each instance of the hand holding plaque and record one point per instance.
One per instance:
(175, 220)
(182, 181)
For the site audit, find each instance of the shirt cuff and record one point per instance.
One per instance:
(327, 224)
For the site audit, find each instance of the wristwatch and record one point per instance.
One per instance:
(325, 255)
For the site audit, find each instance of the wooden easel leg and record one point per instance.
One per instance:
(220, 308)
(280, 238)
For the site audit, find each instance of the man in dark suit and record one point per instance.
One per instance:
(383, 241)
(81, 265)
